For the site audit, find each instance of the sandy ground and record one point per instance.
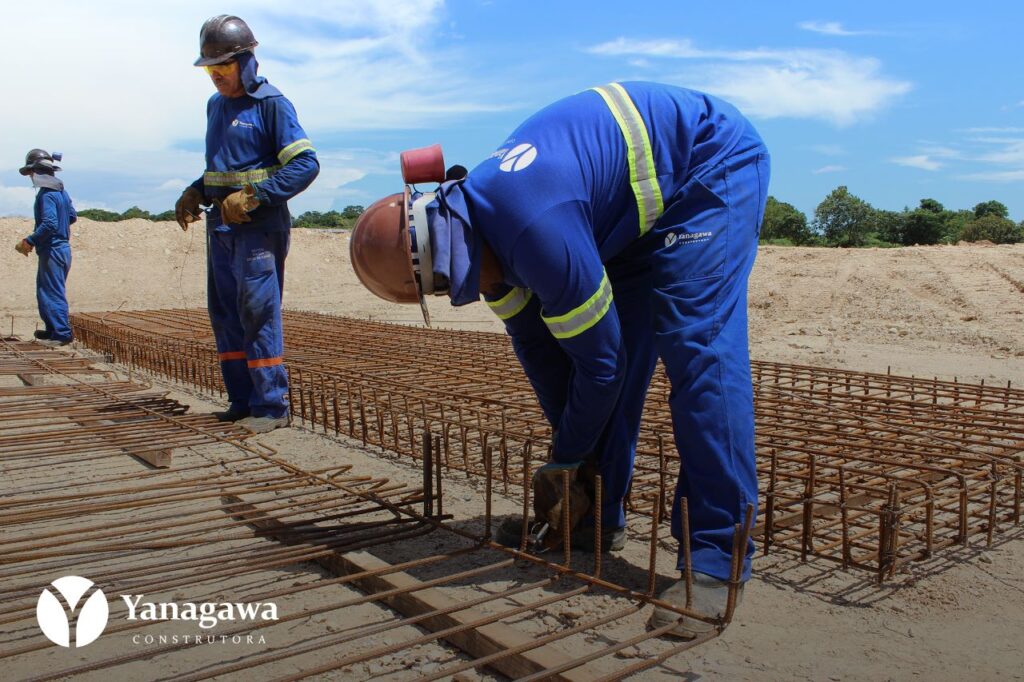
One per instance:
(929, 311)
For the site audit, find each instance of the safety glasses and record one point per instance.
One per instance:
(225, 69)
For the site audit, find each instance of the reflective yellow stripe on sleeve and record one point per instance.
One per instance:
(582, 317)
(511, 304)
(293, 150)
(237, 178)
(643, 178)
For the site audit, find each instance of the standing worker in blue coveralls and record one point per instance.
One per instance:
(257, 158)
(51, 239)
(613, 227)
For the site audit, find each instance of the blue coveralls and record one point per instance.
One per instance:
(254, 139)
(597, 289)
(54, 214)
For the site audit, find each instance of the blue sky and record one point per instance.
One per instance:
(898, 101)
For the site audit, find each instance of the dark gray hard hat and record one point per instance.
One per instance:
(222, 37)
(40, 161)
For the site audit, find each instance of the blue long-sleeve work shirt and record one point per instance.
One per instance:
(257, 141)
(54, 215)
(555, 203)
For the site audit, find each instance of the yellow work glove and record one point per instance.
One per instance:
(23, 247)
(187, 210)
(234, 208)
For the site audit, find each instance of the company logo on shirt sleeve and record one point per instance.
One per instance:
(518, 158)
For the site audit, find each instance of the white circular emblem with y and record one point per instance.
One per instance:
(670, 239)
(518, 158)
(58, 624)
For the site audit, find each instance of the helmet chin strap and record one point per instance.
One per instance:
(422, 253)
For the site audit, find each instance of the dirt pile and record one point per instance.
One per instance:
(930, 311)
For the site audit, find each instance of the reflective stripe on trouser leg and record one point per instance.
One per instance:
(700, 307)
(259, 267)
(221, 299)
(51, 294)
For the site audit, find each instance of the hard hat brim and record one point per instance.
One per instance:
(220, 59)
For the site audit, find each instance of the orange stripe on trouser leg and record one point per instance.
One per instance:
(232, 355)
(265, 362)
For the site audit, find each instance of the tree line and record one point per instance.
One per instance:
(845, 220)
(841, 219)
(343, 219)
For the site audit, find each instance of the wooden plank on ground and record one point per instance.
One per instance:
(477, 642)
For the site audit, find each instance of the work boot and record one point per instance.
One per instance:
(230, 415)
(612, 540)
(41, 334)
(263, 424)
(53, 343)
(510, 531)
(710, 598)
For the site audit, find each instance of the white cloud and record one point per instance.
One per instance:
(17, 200)
(175, 184)
(830, 28)
(1005, 129)
(128, 99)
(983, 154)
(996, 176)
(822, 84)
(828, 149)
(828, 169)
(922, 161)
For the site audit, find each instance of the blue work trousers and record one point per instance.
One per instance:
(681, 295)
(51, 292)
(245, 281)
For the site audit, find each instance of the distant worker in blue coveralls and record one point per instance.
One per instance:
(257, 158)
(613, 227)
(54, 213)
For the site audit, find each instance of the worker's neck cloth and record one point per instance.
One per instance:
(255, 86)
(455, 244)
(47, 181)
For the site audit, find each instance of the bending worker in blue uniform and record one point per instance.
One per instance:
(51, 239)
(613, 227)
(257, 158)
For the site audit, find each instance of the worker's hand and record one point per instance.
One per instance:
(187, 210)
(23, 247)
(235, 207)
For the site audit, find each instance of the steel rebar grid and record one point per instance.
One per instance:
(836, 449)
(98, 527)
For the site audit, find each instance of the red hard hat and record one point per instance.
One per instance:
(388, 258)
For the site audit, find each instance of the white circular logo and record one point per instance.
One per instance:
(58, 618)
(670, 239)
(518, 158)
(235, 122)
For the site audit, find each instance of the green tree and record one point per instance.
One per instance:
(922, 226)
(99, 215)
(995, 229)
(932, 206)
(352, 212)
(784, 221)
(995, 208)
(843, 219)
(953, 227)
(888, 225)
(136, 212)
